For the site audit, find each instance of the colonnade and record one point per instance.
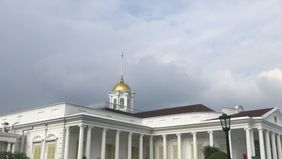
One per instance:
(269, 143)
(10, 147)
(103, 143)
(179, 144)
(270, 149)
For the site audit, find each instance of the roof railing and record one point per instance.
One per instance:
(115, 106)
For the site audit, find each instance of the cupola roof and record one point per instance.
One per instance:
(121, 86)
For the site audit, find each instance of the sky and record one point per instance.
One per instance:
(218, 53)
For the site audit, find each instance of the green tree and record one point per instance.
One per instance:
(9, 155)
(213, 153)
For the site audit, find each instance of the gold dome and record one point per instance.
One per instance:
(121, 86)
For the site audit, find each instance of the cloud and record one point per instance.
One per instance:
(219, 54)
(275, 74)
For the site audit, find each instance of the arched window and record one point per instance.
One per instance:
(51, 146)
(121, 102)
(36, 147)
(128, 103)
(115, 103)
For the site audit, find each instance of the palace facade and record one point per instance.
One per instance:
(69, 131)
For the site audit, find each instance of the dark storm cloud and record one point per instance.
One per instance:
(158, 85)
(218, 54)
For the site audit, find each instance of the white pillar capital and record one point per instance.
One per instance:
(178, 134)
(194, 133)
(247, 128)
(210, 132)
(82, 125)
(90, 127)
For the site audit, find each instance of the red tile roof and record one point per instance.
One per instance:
(175, 110)
(252, 113)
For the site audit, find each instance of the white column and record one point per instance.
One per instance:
(211, 138)
(261, 144)
(179, 145)
(13, 147)
(117, 145)
(151, 147)
(273, 142)
(103, 144)
(164, 147)
(67, 139)
(279, 148)
(267, 144)
(9, 147)
(195, 147)
(88, 142)
(43, 144)
(230, 144)
(42, 155)
(22, 142)
(248, 141)
(252, 142)
(129, 146)
(80, 142)
(141, 146)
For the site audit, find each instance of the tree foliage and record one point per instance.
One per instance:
(9, 155)
(213, 153)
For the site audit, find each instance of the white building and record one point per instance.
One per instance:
(69, 131)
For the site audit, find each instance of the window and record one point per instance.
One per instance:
(121, 101)
(275, 119)
(3, 146)
(36, 151)
(110, 151)
(174, 151)
(135, 152)
(51, 150)
(161, 152)
(128, 103)
(115, 103)
(200, 147)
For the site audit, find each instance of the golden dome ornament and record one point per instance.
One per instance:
(121, 87)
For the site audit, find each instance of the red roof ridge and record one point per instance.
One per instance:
(175, 110)
(252, 113)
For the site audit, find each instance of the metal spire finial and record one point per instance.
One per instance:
(122, 67)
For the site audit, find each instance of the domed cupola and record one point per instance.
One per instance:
(121, 96)
(121, 86)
